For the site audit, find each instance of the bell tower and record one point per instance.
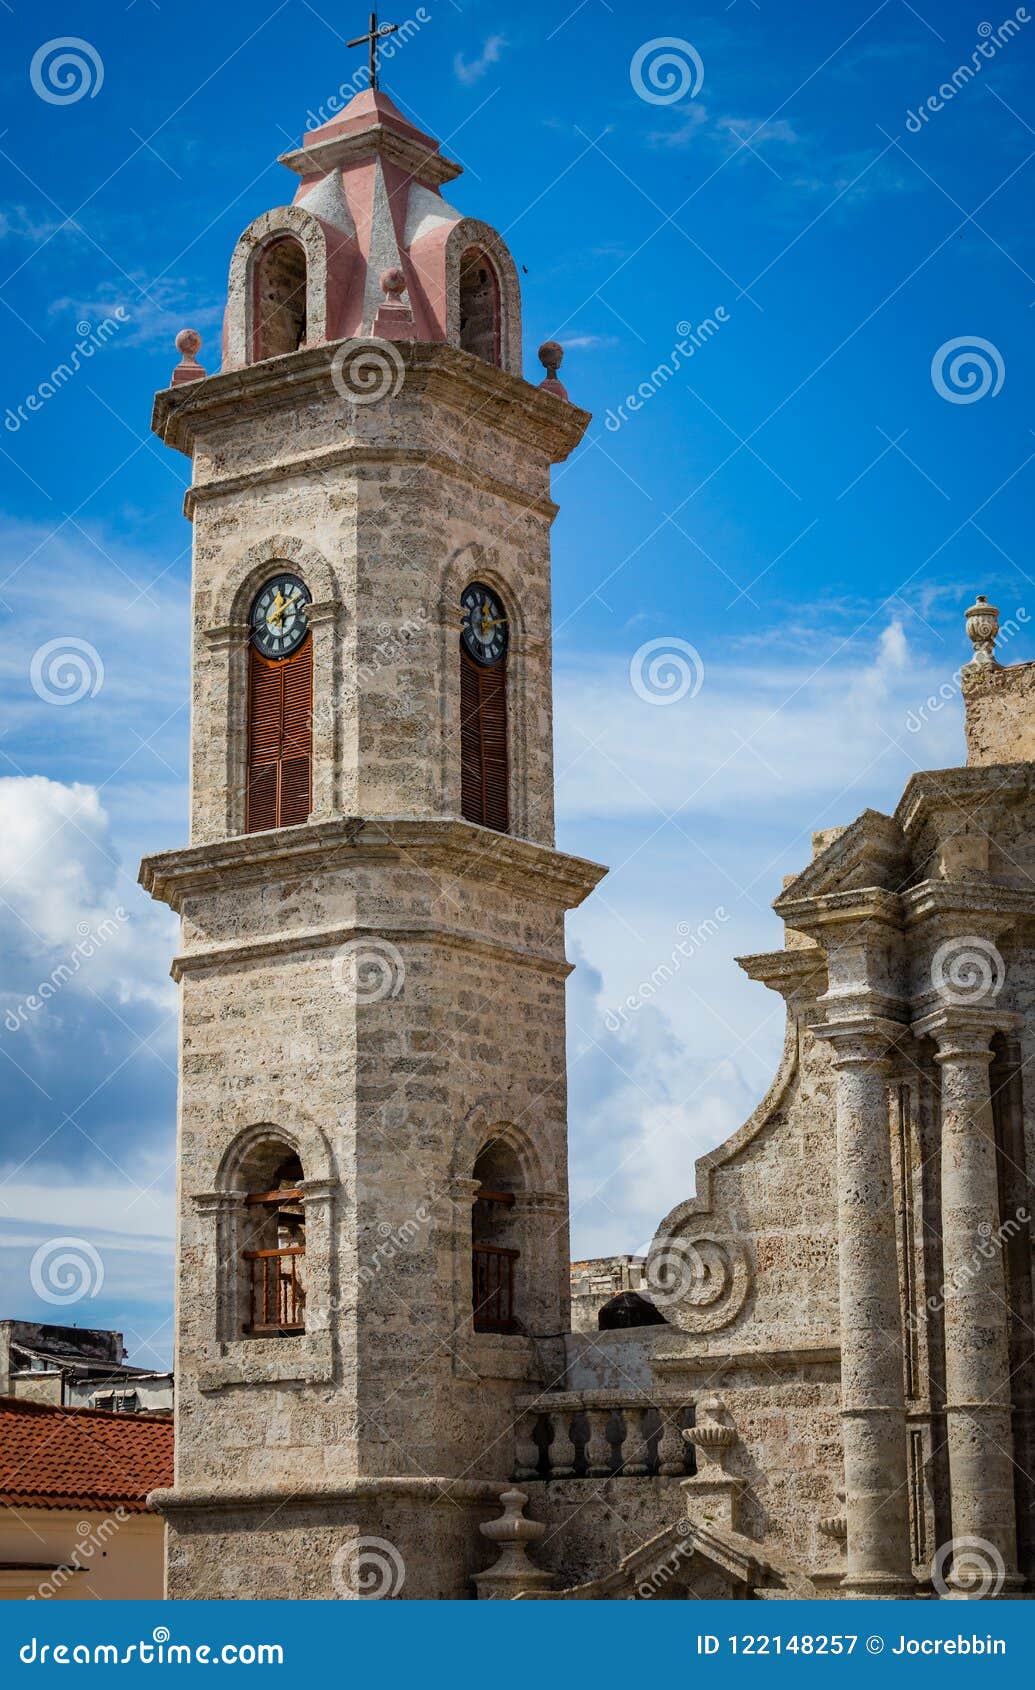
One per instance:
(372, 1143)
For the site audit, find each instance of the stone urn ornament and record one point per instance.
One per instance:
(513, 1574)
(983, 628)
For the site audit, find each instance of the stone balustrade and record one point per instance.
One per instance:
(602, 1434)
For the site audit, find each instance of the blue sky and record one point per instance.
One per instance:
(809, 502)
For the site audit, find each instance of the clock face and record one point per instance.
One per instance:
(280, 616)
(484, 628)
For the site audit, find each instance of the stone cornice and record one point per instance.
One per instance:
(995, 905)
(871, 852)
(938, 789)
(427, 166)
(818, 914)
(314, 1492)
(783, 1357)
(444, 373)
(358, 455)
(283, 945)
(792, 973)
(453, 846)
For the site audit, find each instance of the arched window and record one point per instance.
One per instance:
(273, 1259)
(280, 706)
(479, 306)
(484, 642)
(279, 299)
(494, 1251)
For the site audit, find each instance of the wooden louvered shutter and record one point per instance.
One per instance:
(483, 743)
(280, 697)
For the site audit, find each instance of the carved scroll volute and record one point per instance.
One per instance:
(699, 1283)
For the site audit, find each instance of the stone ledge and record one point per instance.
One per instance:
(318, 1493)
(284, 945)
(459, 847)
(528, 414)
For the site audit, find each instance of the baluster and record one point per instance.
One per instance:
(526, 1448)
(564, 1466)
(671, 1448)
(598, 1449)
(635, 1445)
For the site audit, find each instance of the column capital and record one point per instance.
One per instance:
(863, 1040)
(964, 1032)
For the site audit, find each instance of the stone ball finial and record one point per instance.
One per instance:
(393, 284)
(550, 354)
(983, 628)
(188, 345)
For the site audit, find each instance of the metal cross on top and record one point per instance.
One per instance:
(376, 33)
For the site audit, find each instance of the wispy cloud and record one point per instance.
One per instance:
(472, 70)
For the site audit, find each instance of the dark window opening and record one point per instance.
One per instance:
(280, 286)
(274, 1260)
(494, 1252)
(479, 307)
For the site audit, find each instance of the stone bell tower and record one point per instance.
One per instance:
(372, 1138)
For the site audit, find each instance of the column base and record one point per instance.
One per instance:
(878, 1587)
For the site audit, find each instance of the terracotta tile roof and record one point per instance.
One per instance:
(81, 1457)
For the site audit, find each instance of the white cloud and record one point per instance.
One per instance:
(473, 70)
(67, 924)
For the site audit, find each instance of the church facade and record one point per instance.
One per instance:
(374, 1342)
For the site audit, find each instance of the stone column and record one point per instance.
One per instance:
(872, 1397)
(976, 1312)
